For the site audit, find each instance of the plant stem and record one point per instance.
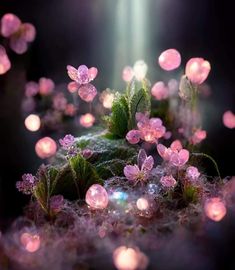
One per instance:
(213, 161)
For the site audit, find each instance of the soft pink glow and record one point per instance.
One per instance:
(142, 204)
(87, 92)
(46, 86)
(31, 89)
(5, 63)
(107, 99)
(28, 32)
(229, 119)
(97, 197)
(32, 122)
(125, 258)
(45, 147)
(160, 91)
(197, 70)
(10, 24)
(169, 59)
(215, 209)
(30, 242)
(198, 136)
(127, 74)
(87, 120)
(70, 109)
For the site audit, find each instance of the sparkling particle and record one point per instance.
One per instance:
(197, 70)
(215, 209)
(126, 258)
(97, 197)
(32, 122)
(169, 59)
(31, 242)
(153, 189)
(87, 120)
(142, 204)
(45, 147)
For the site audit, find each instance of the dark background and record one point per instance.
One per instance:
(85, 32)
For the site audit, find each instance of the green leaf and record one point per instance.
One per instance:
(118, 121)
(139, 102)
(84, 174)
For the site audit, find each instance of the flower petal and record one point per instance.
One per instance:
(147, 164)
(131, 172)
(72, 73)
(92, 73)
(141, 157)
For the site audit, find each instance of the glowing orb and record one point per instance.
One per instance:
(72, 87)
(142, 204)
(107, 99)
(140, 70)
(127, 74)
(30, 242)
(197, 70)
(229, 119)
(32, 122)
(215, 209)
(169, 59)
(97, 197)
(125, 258)
(45, 147)
(87, 120)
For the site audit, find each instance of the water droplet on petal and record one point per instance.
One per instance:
(97, 197)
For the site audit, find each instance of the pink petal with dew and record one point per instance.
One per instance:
(28, 32)
(18, 44)
(169, 59)
(72, 73)
(183, 156)
(10, 24)
(73, 87)
(127, 74)
(5, 63)
(197, 70)
(141, 157)
(229, 119)
(164, 152)
(92, 73)
(46, 86)
(160, 91)
(87, 92)
(83, 74)
(176, 145)
(148, 164)
(131, 172)
(133, 136)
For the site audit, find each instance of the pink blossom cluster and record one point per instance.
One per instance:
(198, 136)
(175, 154)
(19, 34)
(149, 130)
(82, 76)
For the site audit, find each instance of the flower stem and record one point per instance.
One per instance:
(213, 161)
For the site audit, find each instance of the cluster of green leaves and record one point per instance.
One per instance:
(73, 177)
(125, 106)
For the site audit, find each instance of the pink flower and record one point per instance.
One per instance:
(128, 74)
(169, 59)
(10, 24)
(198, 136)
(192, 173)
(175, 154)
(160, 91)
(168, 181)
(229, 119)
(140, 171)
(82, 77)
(19, 40)
(5, 63)
(149, 129)
(138, 71)
(197, 70)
